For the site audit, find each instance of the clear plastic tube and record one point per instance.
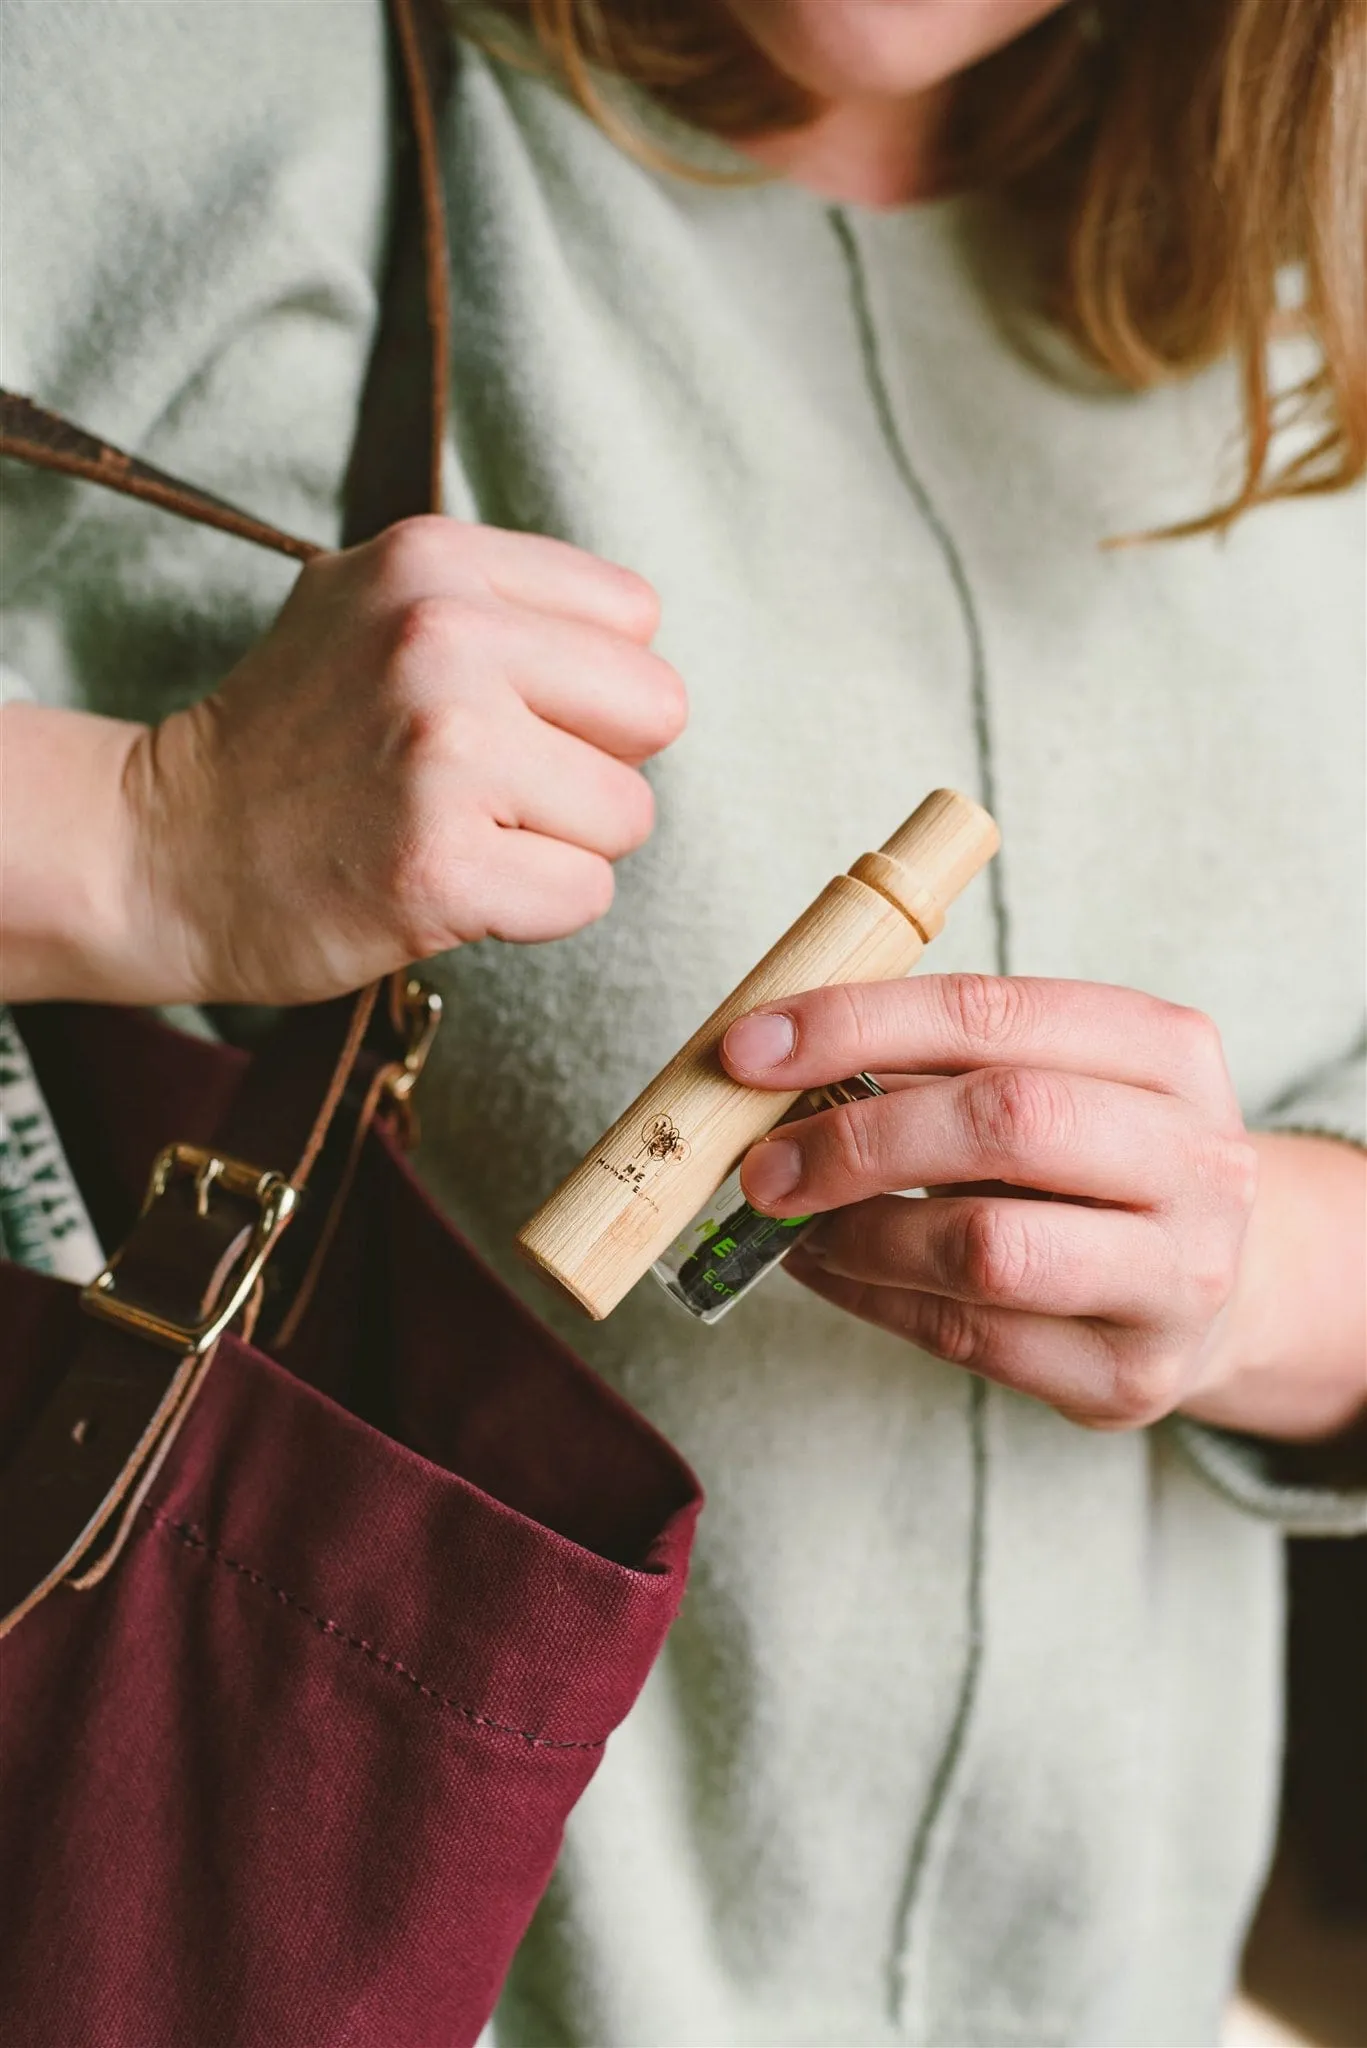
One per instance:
(729, 1247)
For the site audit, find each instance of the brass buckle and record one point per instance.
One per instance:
(275, 1199)
(418, 1021)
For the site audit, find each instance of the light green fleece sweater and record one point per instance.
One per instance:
(968, 1731)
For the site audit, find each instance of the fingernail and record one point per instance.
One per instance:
(762, 1041)
(772, 1171)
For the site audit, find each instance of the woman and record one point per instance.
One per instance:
(856, 332)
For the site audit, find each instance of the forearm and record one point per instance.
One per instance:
(1292, 1355)
(69, 899)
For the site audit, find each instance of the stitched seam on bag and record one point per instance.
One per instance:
(195, 1539)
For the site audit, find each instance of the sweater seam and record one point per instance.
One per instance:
(951, 554)
(901, 1972)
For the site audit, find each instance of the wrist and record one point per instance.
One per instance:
(72, 923)
(1289, 1360)
(177, 864)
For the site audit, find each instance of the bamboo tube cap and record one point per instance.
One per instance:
(930, 858)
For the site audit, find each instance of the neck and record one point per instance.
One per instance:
(870, 152)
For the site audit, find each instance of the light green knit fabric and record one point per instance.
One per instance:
(968, 1731)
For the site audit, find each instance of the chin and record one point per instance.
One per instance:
(843, 49)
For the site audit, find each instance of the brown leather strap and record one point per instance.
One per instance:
(45, 440)
(93, 1449)
(297, 1082)
(114, 1411)
(397, 455)
(278, 1118)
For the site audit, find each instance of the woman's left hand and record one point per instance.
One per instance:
(1110, 1298)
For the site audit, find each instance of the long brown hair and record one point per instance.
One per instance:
(1173, 157)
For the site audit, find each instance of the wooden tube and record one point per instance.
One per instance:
(648, 1176)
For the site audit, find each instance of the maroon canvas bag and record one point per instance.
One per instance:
(325, 1569)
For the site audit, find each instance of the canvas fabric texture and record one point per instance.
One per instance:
(968, 1730)
(296, 1770)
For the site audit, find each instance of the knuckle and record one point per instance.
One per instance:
(855, 1150)
(594, 899)
(624, 600)
(986, 1010)
(422, 732)
(1145, 1384)
(420, 886)
(1196, 1036)
(413, 550)
(1012, 1109)
(847, 1000)
(426, 631)
(831, 1029)
(449, 641)
(996, 1258)
(671, 703)
(635, 809)
(951, 1330)
(1239, 1173)
(1211, 1269)
(642, 598)
(1227, 1170)
(863, 1149)
(432, 736)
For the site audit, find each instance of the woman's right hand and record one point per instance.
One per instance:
(439, 739)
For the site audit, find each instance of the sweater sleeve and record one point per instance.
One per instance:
(191, 243)
(1310, 1489)
(1330, 1103)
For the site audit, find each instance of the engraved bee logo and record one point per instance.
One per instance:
(664, 1139)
